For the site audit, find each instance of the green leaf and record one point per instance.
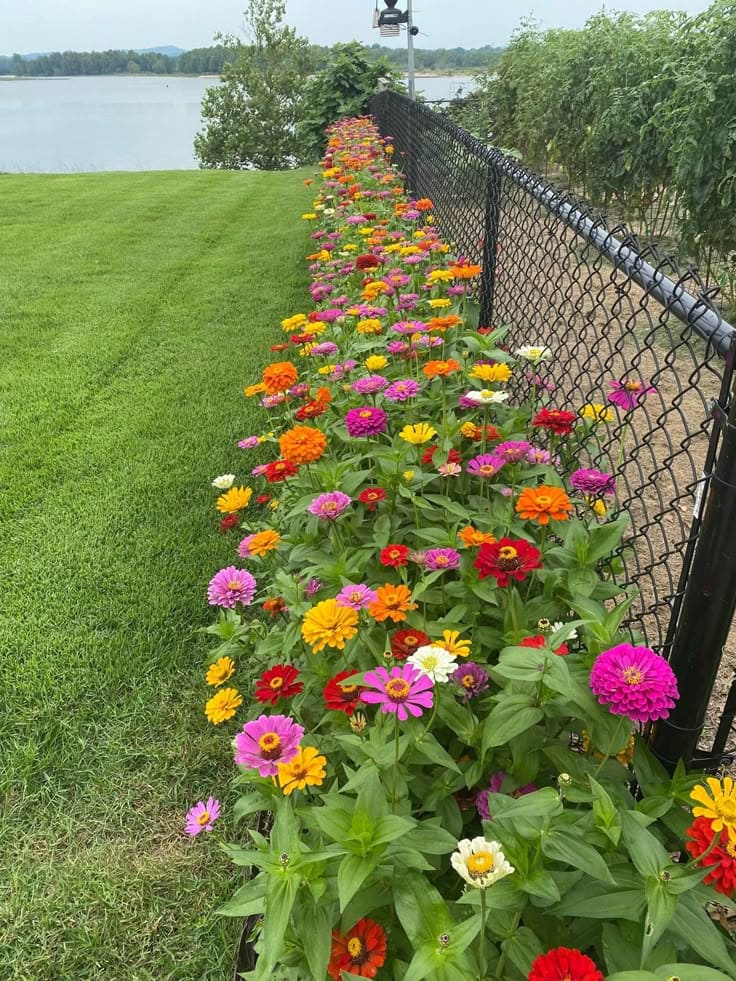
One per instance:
(316, 929)
(661, 906)
(420, 908)
(428, 748)
(606, 904)
(249, 899)
(390, 827)
(603, 539)
(424, 963)
(544, 803)
(689, 972)
(605, 813)
(522, 948)
(693, 925)
(567, 845)
(250, 804)
(352, 873)
(281, 893)
(512, 715)
(647, 854)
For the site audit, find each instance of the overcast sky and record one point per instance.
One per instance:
(82, 25)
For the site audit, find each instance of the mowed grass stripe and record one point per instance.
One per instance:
(135, 308)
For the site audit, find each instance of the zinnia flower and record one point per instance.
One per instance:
(719, 809)
(371, 496)
(235, 499)
(597, 412)
(259, 544)
(394, 556)
(533, 354)
(507, 559)
(341, 697)
(392, 602)
(484, 465)
(279, 470)
(405, 691)
(417, 434)
(223, 705)
(202, 816)
(497, 372)
(279, 376)
(564, 964)
(219, 672)
(721, 861)
(452, 643)
(555, 420)
(471, 537)
(361, 951)
(370, 385)
(627, 395)
(593, 481)
(224, 482)
(302, 444)
(231, 586)
(229, 522)
(543, 504)
(365, 421)
(278, 682)
(267, 741)
(635, 682)
(436, 662)
(306, 769)
(405, 642)
(486, 396)
(441, 559)
(513, 450)
(472, 678)
(480, 862)
(329, 625)
(357, 596)
(401, 390)
(330, 506)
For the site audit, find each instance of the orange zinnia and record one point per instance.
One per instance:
(471, 537)
(392, 602)
(465, 272)
(423, 204)
(440, 369)
(442, 323)
(302, 444)
(543, 504)
(279, 376)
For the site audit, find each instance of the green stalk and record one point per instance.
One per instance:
(482, 948)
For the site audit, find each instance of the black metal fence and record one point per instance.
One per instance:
(612, 309)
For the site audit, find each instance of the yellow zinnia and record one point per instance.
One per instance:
(597, 412)
(440, 303)
(263, 542)
(719, 809)
(371, 325)
(223, 705)
(306, 769)
(490, 372)
(439, 276)
(234, 500)
(375, 362)
(420, 432)
(452, 644)
(329, 625)
(219, 672)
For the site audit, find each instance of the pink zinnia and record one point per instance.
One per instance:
(401, 390)
(357, 597)
(627, 395)
(202, 816)
(370, 385)
(231, 586)
(249, 443)
(513, 451)
(484, 465)
(267, 741)
(404, 691)
(634, 681)
(439, 559)
(593, 482)
(329, 506)
(365, 421)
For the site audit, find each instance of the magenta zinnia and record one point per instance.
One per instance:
(202, 816)
(267, 741)
(591, 481)
(627, 394)
(404, 691)
(635, 682)
(365, 421)
(439, 559)
(329, 506)
(231, 586)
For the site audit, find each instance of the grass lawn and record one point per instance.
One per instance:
(133, 309)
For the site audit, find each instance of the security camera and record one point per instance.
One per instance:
(413, 31)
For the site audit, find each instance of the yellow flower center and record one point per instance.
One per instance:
(269, 745)
(544, 500)
(397, 689)
(203, 818)
(366, 415)
(480, 863)
(410, 640)
(488, 469)
(507, 552)
(632, 386)
(276, 683)
(349, 689)
(468, 681)
(726, 808)
(234, 584)
(355, 947)
(633, 676)
(298, 771)
(429, 663)
(731, 847)
(441, 560)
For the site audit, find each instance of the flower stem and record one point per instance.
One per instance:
(482, 947)
(698, 859)
(396, 764)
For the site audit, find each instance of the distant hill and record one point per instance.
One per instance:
(166, 49)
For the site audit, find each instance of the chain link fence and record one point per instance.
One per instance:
(612, 311)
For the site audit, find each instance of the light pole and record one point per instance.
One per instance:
(410, 33)
(389, 22)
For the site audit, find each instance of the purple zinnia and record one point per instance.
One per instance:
(472, 678)
(401, 390)
(357, 596)
(231, 586)
(634, 681)
(513, 451)
(267, 741)
(313, 587)
(365, 421)
(370, 385)
(593, 482)
(537, 455)
(329, 506)
(439, 559)
(484, 465)
(404, 691)
(202, 816)
(494, 787)
(397, 347)
(249, 443)
(627, 395)
(328, 348)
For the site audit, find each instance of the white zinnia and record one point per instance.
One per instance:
(533, 353)
(570, 634)
(480, 862)
(486, 396)
(435, 662)
(224, 482)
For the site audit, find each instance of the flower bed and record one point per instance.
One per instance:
(446, 720)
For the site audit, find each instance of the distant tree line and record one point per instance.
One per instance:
(194, 62)
(211, 60)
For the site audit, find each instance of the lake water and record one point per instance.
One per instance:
(113, 122)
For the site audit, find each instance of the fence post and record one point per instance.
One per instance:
(707, 608)
(491, 225)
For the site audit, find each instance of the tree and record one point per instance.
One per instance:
(251, 116)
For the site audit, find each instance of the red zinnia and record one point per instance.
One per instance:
(541, 641)
(279, 470)
(275, 605)
(507, 559)
(405, 642)
(263, 499)
(342, 698)
(367, 262)
(231, 521)
(310, 410)
(361, 951)
(371, 496)
(395, 556)
(429, 454)
(454, 457)
(556, 420)
(278, 682)
(279, 347)
(563, 964)
(721, 861)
